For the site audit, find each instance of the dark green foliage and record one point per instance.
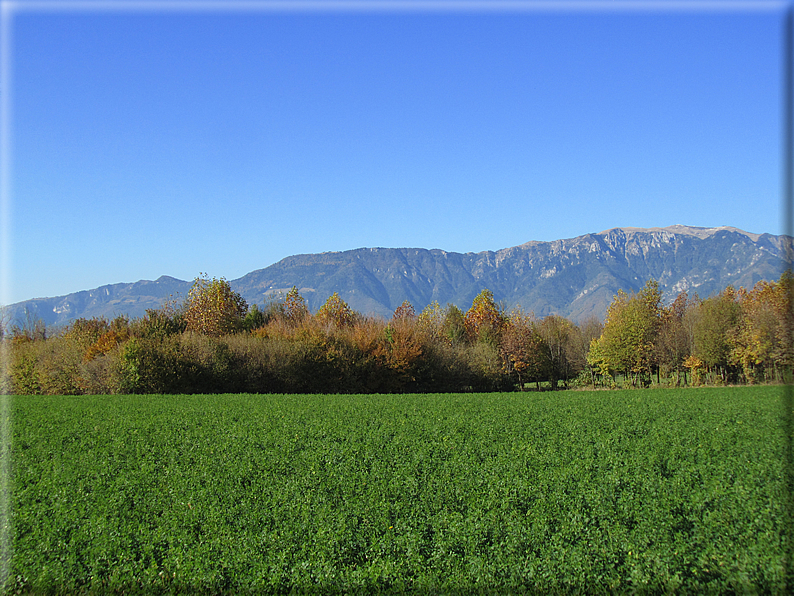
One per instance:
(454, 325)
(160, 323)
(158, 366)
(255, 318)
(652, 492)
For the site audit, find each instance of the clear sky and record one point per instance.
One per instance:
(149, 139)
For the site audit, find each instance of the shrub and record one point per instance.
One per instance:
(485, 364)
(59, 366)
(160, 323)
(150, 365)
(102, 374)
(259, 362)
(440, 368)
(106, 342)
(23, 376)
(85, 332)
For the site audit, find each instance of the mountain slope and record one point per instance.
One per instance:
(132, 299)
(575, 277)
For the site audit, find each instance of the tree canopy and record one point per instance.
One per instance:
(213, 308)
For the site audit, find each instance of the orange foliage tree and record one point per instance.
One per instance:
(524, 352)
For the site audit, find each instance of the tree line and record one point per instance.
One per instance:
(213, 342)
(736, 336)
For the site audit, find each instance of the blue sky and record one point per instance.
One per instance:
(150, 141)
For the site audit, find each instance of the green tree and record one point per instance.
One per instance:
(213, 308)
(453, 326)
(161, 322)
(255, 318)
(627, 343)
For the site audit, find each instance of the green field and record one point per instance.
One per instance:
(649, 491)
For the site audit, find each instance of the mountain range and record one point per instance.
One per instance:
(575, 277)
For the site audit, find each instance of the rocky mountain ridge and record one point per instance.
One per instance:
(575, 277)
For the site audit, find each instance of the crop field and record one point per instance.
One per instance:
(653, 491)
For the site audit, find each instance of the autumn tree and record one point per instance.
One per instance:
(213, 308)
(558, 335)
(717, 317)
(430, 320)
(118, 331)
(760, 341)
(295, 309)
(673, 343)
(484, 320)
(784, 307)
(584, 333)
(404, 312)
(525, 354)
(336, 312)
(85, 332)
(627, 343)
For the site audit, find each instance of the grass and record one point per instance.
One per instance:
(653, 491)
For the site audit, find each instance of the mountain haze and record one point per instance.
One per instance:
(575, 277)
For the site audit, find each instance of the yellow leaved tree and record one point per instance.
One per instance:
(213, 308)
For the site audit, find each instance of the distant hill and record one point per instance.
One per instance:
(108, 301)
(575, 278)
